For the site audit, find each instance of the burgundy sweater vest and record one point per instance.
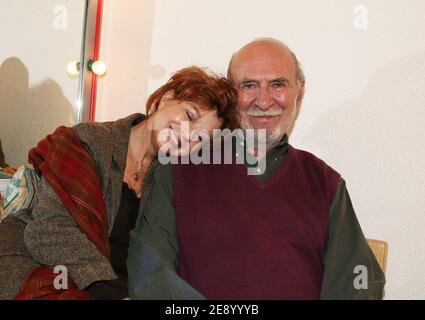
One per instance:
(240, 238)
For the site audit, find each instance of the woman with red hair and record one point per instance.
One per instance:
(95, 178)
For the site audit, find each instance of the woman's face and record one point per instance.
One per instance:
(177, 126)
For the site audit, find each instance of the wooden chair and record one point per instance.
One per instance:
(380, 250)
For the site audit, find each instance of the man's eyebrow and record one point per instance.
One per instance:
(276, 80)
(248, 81)
(281, 80)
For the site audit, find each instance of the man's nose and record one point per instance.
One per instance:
(264, 99)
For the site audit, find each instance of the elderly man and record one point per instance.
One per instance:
(215, 232)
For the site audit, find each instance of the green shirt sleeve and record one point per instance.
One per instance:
(153, 250)
(351, 270)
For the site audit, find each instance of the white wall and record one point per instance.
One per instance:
(364, 107)
(36, 92)
(126, 41)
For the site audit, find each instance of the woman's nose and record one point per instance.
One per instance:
(182, 128)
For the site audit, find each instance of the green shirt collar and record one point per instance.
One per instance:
(273, 159)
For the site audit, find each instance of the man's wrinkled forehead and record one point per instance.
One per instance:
(262, 59)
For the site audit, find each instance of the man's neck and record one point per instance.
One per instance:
(259, 151)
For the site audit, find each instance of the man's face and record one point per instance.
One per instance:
(265, 76)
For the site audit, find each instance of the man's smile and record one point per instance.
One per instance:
(265, 120)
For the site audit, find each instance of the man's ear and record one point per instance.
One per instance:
(297, 106)
(300, 94)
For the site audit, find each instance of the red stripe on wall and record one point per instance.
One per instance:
(95, 58)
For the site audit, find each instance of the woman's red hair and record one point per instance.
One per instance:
(206, 88)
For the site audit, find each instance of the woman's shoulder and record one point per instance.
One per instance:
(101, 133)
(107, 143)
(97, 132)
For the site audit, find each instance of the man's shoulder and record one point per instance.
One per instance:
(318, 172)
(312, 162)
(162, 171)
(163, 174)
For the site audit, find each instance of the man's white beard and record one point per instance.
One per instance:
(272, 136)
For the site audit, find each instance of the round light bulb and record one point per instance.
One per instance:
(99, 68)
(73, 68)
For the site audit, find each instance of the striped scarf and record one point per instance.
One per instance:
(64, 162)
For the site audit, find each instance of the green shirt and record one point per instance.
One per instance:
(153, 251)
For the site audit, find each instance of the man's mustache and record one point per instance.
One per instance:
(259, 113)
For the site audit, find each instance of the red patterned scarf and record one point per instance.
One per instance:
(64, 162)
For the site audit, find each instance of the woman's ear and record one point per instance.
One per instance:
(168, 96)
(152, 108)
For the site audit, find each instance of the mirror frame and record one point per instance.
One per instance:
(86, 100)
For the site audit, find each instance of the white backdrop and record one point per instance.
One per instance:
(37, 41)
(364, 107)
